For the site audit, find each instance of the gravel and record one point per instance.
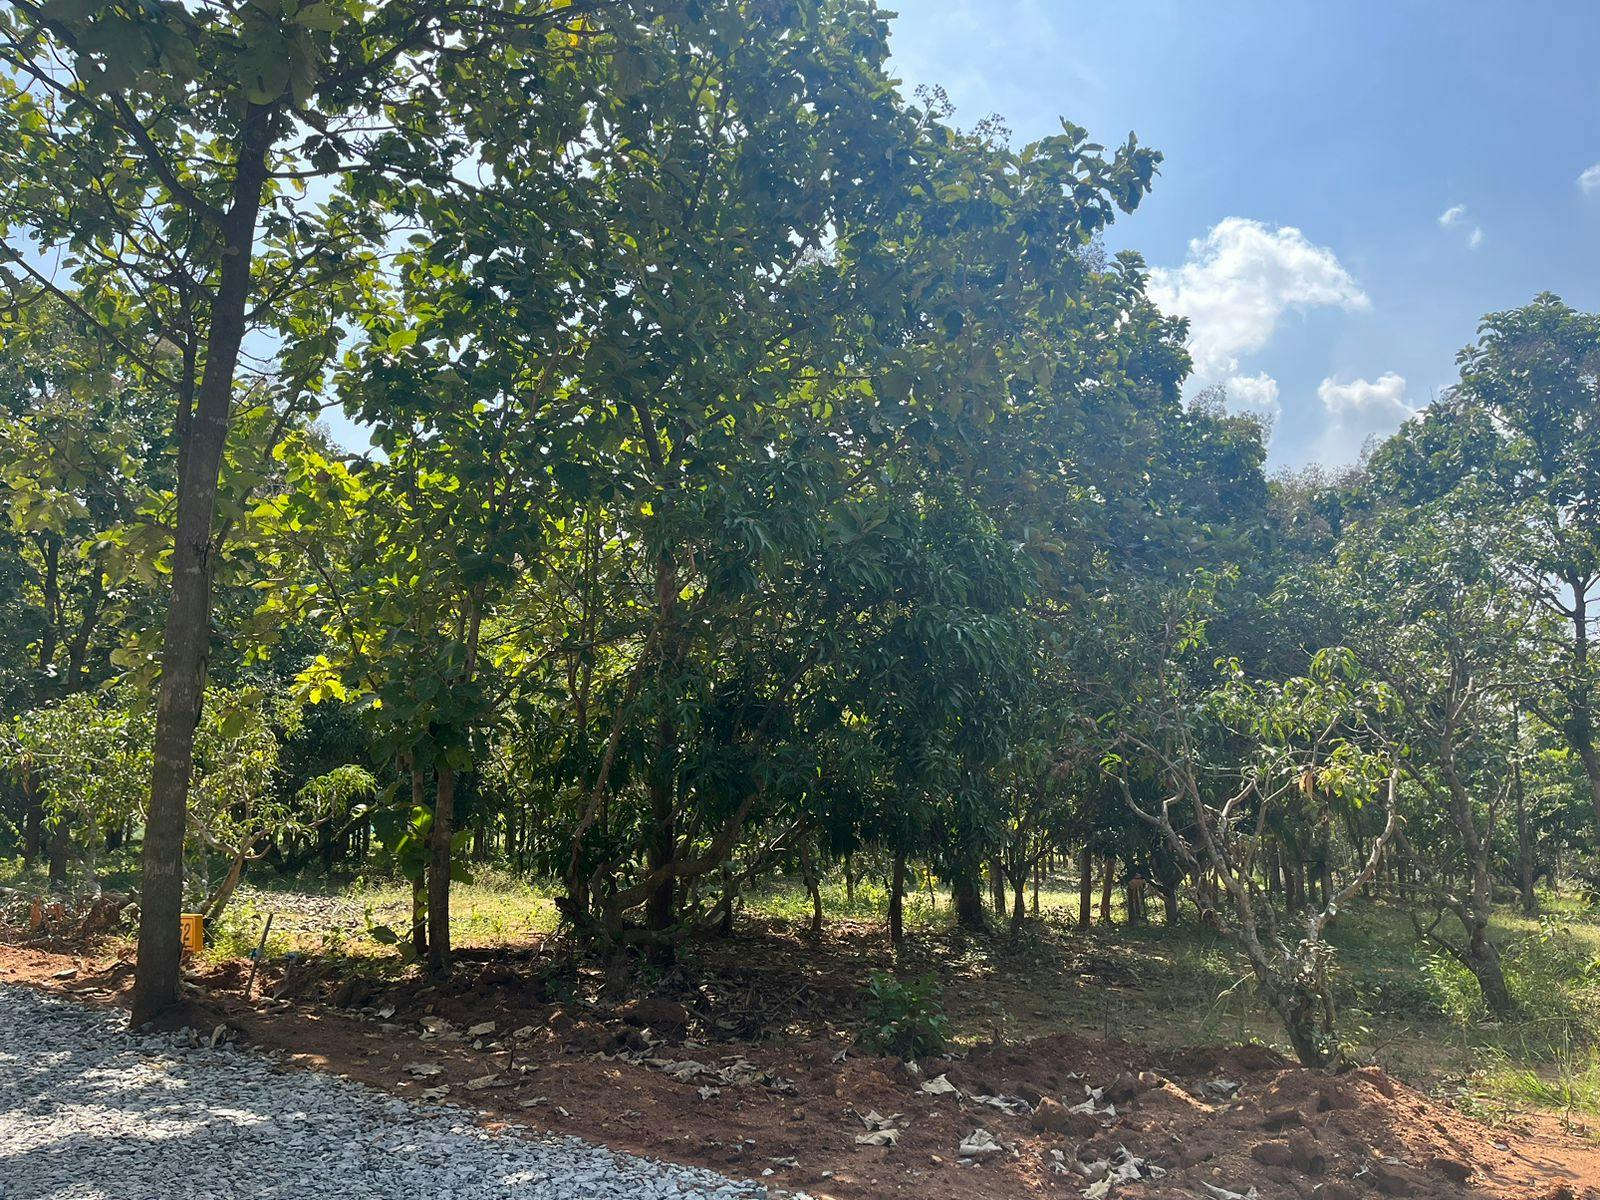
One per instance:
(89, 1111)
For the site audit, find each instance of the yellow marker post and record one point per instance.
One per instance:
(192, 932)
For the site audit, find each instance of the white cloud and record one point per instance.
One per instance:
(1359, 409)
(1257, 393)
(1456, 215)
(1589, 181)
(1235, 287)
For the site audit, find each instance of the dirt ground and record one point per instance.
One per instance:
(746, 1064)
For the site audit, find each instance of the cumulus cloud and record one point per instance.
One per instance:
(1589, 181)
(1256, 393)
(1237, 284)
(1360, 409)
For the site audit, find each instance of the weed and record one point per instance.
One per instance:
(905, 1017)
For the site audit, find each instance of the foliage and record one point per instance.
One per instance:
(768, 477)
(904, 1017)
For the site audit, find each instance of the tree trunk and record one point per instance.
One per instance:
(809, 871)
(997, 886)
(1298, 1012)
(224, 893)
(419, 885)
(659, 905)
(60, 851)
(1483, 960)
(1169, 903)
(187, 637)
(725, 922)
(1085, 887)
(33, 822)
(1525, 876)
(1105, 889)
(1133, 889)
(444, 812)
(967, 897)
(1018, 908)
(897, 899)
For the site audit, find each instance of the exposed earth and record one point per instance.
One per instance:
(676, 1075)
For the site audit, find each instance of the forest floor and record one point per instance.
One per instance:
(746, 1056)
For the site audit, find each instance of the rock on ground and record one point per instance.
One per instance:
(89, 1111)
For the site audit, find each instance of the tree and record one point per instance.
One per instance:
(1516, 443)
(161, 151)
(1311, 738)
(1432, 611)
(238, 803)
(83, 758)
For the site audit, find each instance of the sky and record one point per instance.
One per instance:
(1347, 187)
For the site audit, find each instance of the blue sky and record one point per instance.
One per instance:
(1347, 187)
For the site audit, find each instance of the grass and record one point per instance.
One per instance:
(1400, 1003)
(1571, 1090)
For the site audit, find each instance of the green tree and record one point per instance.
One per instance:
(162, 152)
(1432, 610)
(1517, 444)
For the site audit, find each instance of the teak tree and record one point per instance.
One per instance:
(169, 157)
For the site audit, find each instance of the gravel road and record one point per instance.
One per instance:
(91, 1112)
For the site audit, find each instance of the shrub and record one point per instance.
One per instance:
(905, 1017)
